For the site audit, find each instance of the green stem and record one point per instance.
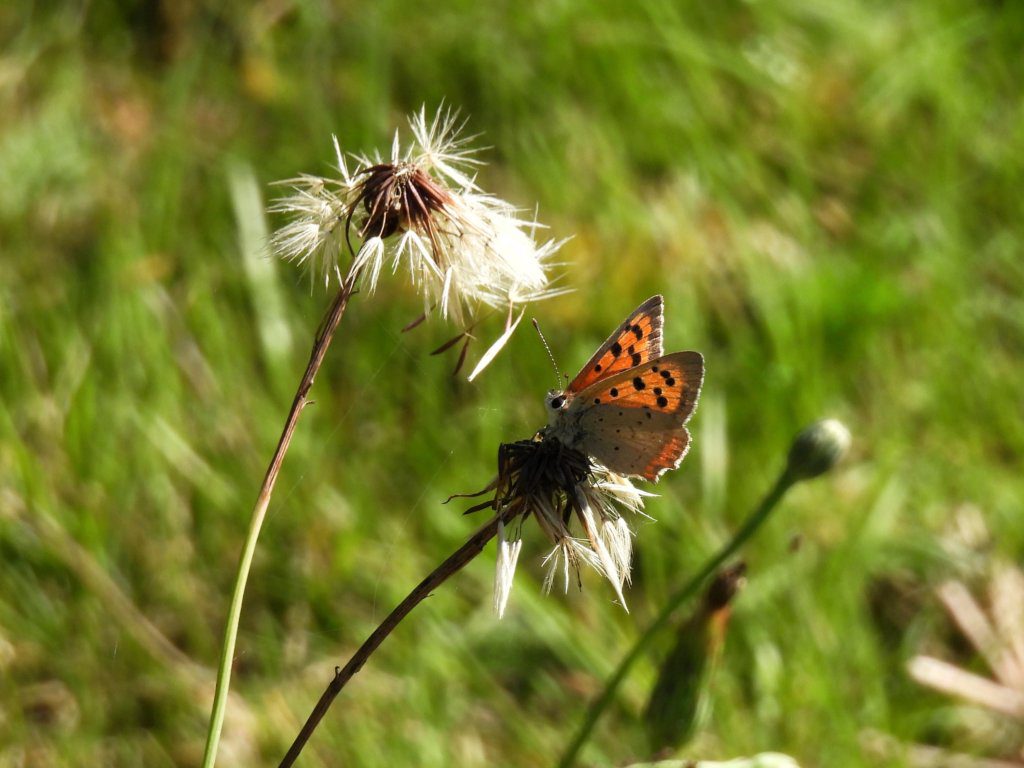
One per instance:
(784, 482)
(316, 358)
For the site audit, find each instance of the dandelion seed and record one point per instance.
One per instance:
(565, 559)
(495, 348)
(317, 209)
(508, 555)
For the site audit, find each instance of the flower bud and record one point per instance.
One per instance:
(817, 449)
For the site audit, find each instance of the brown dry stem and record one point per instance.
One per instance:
(438, 576)
(323, 340)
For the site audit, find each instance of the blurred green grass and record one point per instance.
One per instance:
(828, 196)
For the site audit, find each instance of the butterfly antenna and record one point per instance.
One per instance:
(551, 357)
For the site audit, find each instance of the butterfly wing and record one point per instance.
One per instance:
(634, 343)
(634, 421)
(646, 451)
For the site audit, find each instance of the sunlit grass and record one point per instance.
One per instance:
(829, 200)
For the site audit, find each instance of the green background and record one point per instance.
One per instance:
(830, 197)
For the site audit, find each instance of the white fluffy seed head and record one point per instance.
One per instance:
(422, 213)
(479, 247)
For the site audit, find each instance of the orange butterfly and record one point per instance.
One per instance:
(629, 405)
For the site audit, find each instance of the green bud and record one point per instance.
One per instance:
(817, 449)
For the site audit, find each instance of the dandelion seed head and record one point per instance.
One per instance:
(419, 211)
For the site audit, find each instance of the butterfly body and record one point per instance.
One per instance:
(629, 405)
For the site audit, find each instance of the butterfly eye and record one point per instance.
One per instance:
(557, 402)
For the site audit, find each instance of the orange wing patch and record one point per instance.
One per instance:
(669, 457)
(634, 343)
(668, 385)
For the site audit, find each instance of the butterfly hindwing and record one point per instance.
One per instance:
(633, 444)
(634, 343)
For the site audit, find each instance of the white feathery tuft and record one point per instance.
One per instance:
(508, 556)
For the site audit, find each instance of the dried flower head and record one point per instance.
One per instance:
(542, 478)
(420, 209)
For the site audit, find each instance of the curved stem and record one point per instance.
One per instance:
(452, 565)
(784, 482)
(325, 333)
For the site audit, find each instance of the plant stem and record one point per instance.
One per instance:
(784, 482)
(323, 340)
(452, 565)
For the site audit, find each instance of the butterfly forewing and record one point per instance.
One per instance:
(666, 385)
(634, 343)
